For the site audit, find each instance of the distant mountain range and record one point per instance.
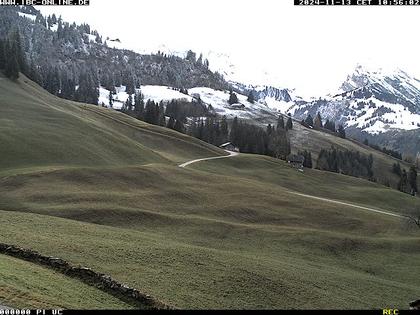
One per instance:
(381, 105)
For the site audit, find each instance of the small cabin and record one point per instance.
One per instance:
(415, 305)
(237, 106)
(229, 147)
(296, 160)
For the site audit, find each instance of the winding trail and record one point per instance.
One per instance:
(232, 154)
(349, 204)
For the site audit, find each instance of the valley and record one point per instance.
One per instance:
(228, 230)
(113, 162)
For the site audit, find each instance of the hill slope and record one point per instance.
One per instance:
(38, 129)
(27, 285)
(303, 138)
(227, 233)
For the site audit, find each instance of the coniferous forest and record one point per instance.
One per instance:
(77, 69)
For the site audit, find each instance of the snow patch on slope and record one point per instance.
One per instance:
(156, 93)
(159, 93)
(28, 16)
(219, 100)
(396, 117)
(281, 106)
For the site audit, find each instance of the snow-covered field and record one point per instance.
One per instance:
(281, 106)
(92, 38)
(54, 27)
(29, 16)
(219, 100)
(159, 93)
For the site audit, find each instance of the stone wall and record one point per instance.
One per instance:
(88, 276)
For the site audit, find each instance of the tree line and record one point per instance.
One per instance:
(62, 58)
(249, 138)
(346, 162)
(389, 152)
(407, 180)
(329, 125)
(12, 57)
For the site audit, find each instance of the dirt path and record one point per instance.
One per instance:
(231, 154)
(349, 204)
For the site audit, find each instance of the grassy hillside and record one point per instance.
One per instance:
(30, 286)
(40, 130)
(226, 233)
(303, 138)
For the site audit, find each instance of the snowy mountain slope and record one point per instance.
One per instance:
(155, 93)
(163, 93)
(372, 100)
(244, 109)
(216, 98)
(242, 80)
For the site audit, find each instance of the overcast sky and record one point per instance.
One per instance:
(308, 48)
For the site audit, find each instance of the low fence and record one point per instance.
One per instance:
(88, 276)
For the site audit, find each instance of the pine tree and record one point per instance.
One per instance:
(191, 56)
(309, 120)
(318, 121)
(279, 144)
(110, 99)
(35, 76)
(289, 124)
(280, 122)
(68, 87)
(251, 97)
(171, 123)
(12, 65)
(179, 126)
(330, 125)
(20, 55)
(308, 158)
(396, 169)
(151, 114)
(234, 132)
(412, 180)
(403, 183)
(52, 83)
(2, 54)
(206, 63)
(200, 60)
(129, 103)
(233, 98)
(161, 115)
(224, 130)
(139, 105)
(341, 132)
(309, 162)
(88, 91)
(130, 86)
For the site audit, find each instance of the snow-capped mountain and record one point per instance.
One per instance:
(371, 100)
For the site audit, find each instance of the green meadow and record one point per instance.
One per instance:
(100, 189)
